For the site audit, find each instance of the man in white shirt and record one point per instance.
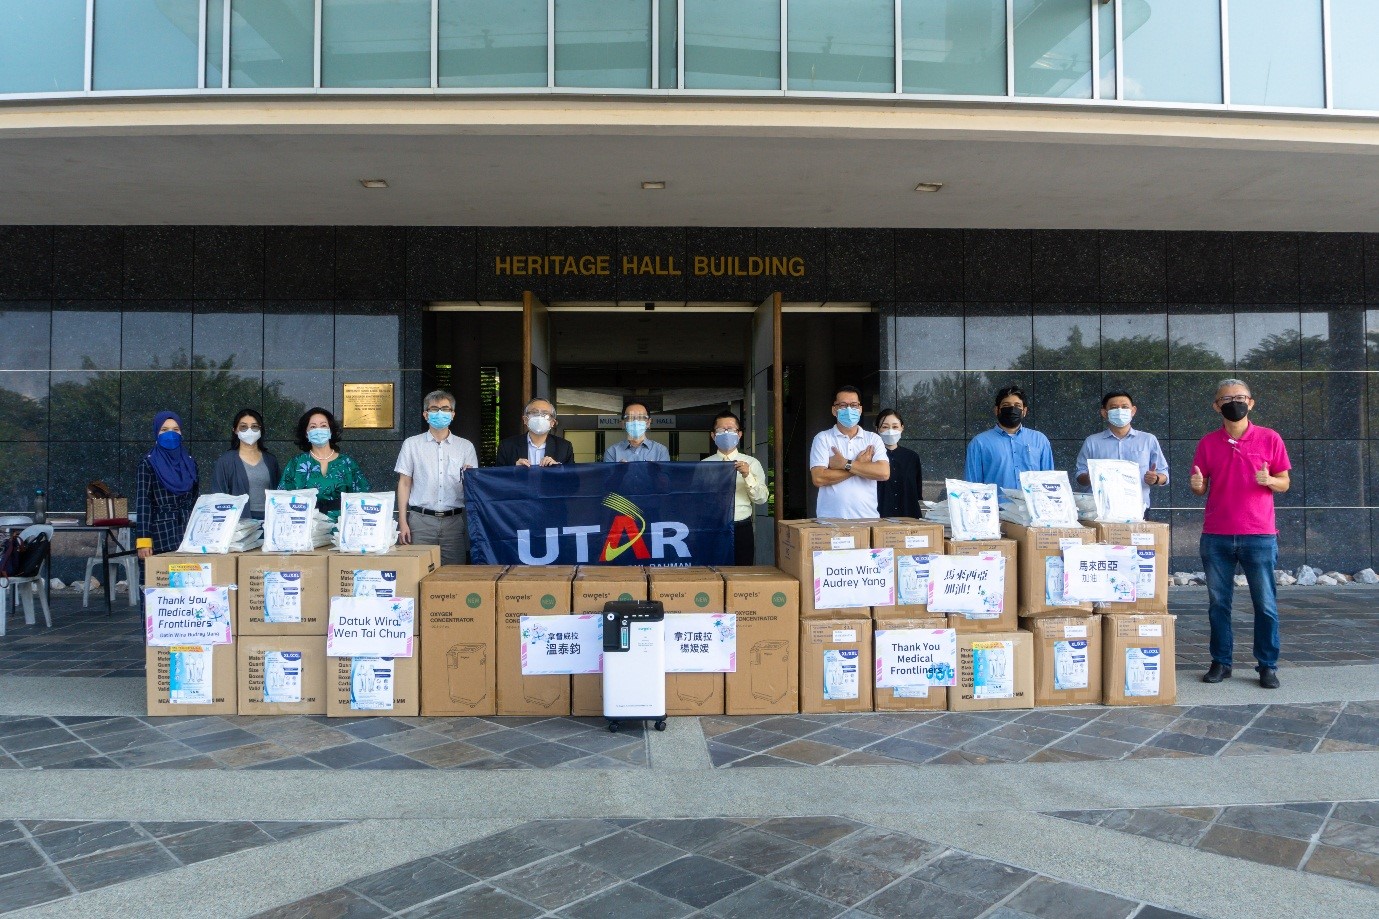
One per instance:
(846, 462)
(751, 485)
(430, 483)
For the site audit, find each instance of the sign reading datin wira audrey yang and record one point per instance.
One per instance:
(370, 626)
(847, 578)
(187, 616)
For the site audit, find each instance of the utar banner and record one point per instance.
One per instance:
(602, 514)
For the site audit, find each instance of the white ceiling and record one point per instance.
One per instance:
(567, 162)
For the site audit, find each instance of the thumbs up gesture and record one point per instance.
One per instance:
(1197, 483)
(1152, 476)
(1263, 477)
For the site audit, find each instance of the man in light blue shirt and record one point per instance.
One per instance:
(1122, 442)
(636, 448)
(998, 456)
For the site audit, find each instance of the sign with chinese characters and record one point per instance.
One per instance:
(701, 643)
(968, 585)
(367, 405)
(1100, 573)
(562, 644)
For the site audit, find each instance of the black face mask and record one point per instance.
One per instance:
(1010, 416)
(1234, 411)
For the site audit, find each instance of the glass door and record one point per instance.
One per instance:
(765, 409)
(536, 349)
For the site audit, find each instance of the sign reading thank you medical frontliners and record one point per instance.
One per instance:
(602, 514)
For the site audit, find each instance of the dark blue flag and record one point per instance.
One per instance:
(602, 514)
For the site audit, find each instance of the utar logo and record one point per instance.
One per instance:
(628, 532)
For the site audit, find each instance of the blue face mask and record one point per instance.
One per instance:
(170, 440)
(727, 440)
(440, 420)
(848, 417)
(1119, 417)
(635, 429)
(318, 437)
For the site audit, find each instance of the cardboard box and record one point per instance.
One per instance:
(429, 552)
(690, 590)
(836, 651)
(908, 536)
(157, 665)
(406, 687)
(1139, 642)
(306, 570)
(909, 700)
(1067, 651)
(593, 586)
(399, 571)
(1008, 619)
(221, 570)
(1040, 550)
(766, 602)
(1151, 542)
(458, 625)
(1017, 660)
(250, 657)
(803, 539)
(530, 591)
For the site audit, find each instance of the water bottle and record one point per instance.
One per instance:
(40, 506)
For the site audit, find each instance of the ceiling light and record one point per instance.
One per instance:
(928, 186)
(653, 186)
(374, 183)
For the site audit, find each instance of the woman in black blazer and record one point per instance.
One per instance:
(537, 441)
(247, 468)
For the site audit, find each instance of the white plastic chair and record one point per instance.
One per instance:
(25, 589)
(130, 563)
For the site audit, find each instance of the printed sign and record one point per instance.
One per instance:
(282, 676)
(841, 670)
(189, 675)
(187, 616)
(1148, 562)
(912, 579)
(189, 574)
(968, 585)
(562, 644)
(1070, 664)
(1102, 574)
(282, 596)
(371, 683)
(371, 582)
(1142, 671)
(848, 578)
(701, 643)
(993, 670)
(917, 541)
(916, 657)
(374, 626)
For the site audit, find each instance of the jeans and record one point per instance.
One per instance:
(1257, 556)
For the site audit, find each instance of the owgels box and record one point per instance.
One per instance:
(689, 590)
(766, 602)
(458, 625)
(530, 591)
(594, 586)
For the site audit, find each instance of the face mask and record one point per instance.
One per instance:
(848, 417)
(170, 440)
(726, 440)
(635, 429)
(249, 437)
(890, 438)
(1010, 416)
(1119, 417)
(440, 420)
(1234, 411)
(318, 437)
(538, 425)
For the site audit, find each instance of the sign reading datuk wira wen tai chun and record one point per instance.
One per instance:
(602, 514)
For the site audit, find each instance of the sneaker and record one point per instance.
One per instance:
(1217, 673)
(1268, 677)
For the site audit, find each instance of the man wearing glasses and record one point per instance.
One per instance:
(636, 448)
(846, 462)
(1240, 467)
(538, 446)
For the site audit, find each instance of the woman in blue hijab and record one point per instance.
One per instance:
(167, 489)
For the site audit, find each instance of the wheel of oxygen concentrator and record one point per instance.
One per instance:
(661, 725)
(614, 726)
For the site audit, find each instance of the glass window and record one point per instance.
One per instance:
(272, 43)
(842, 45)
(146, 44)
(1172, 50)
(1106, 35)
(42, 46)
(732, 44)
(954, 46)
(493, 43)
(1276, 52)
(1053, 48)
(215, 42)
(376, 43)
(669, 31)
(1354, 65)
(605, 43)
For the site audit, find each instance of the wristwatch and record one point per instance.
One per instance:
(847, 467)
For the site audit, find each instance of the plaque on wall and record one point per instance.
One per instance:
(367, 405)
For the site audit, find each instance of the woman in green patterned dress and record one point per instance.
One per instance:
(321, 466)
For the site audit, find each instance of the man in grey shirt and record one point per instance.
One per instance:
(636, 448)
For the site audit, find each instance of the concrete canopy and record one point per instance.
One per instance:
(572, 161)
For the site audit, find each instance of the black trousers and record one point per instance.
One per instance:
(744, 542)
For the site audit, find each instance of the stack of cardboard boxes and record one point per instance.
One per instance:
(766, 602)
(457, 620)
(209, 570)
(685, 591)
(283, 611)
(530, 591)
(913, 541)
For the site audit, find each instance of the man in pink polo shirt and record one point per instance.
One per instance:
(1240, 468)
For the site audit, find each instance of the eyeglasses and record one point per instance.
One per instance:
(440, 408)
(847, 405)
(248, 427)
(1229, 399)
(539, 414)
(725, 431)
(636, 417)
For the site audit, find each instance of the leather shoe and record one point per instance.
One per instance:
(1217, 673)
(1268, 677)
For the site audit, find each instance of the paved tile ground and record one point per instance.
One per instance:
(797, 867)
(1337, 838)
(46, 860)
(1041, 735)
(312, 742)
(82, 642)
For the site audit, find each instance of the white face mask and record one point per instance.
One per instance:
(890, 438)
(249, 437)
(538, 424)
